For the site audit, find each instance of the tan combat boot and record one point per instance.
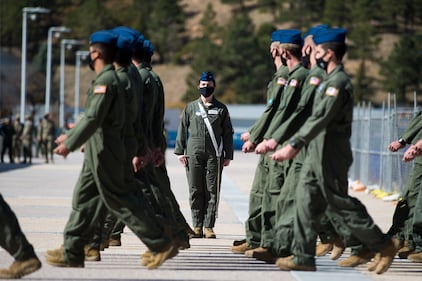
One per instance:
(323, 248)
(20, 268)
(384, 258)
(355, 260)
(415, 257)
(242, 248)
(239, 242)
(250, 253)
(287, 264)
(159, 258)
(266, 256)
(114, 242)
(338, 249)
(92, 254)
(58, 259)
(209, 233)
(197, 233)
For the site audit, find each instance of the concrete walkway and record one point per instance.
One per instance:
(40, 194)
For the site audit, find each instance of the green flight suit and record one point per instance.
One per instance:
(323, 183)
(253, 224)
(160, 173)
(47, 138)
(417, 214)
(152, 111)
(278, 170)
(194, 140)
(285, 205)
(17, 141)
(402, 227)
(12, 239)
(27, 141)
(102, 179)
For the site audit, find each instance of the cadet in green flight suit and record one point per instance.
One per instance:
(291, 51)
(204, 150)
(284, 209)
(253, 224)
(13, 240)
(323, 180)
(101, 181)
(402, 227)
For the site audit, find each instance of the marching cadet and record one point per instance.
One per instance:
(291, 52)
(47, 133)
(284, 209)
(102, 180)
(204, 144)
(17, 139)
(323, 180)
(27, 139)
(251, 138)
(406, 211)
(14, 241)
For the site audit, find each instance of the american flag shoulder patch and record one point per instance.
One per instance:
(281, 81)
(314, 81)
(100, 89)
(331, 91)
(293, 83)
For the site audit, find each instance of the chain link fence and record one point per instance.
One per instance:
(373, 130)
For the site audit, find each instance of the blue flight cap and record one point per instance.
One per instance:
(315, 29)
(290, 36)
(104, 37)
(207, 76)
(148, 47)
(275, 35)
(330, 35)
(137, 37)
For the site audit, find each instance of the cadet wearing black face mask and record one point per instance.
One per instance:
(204, 144)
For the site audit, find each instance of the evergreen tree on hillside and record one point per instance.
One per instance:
(364, 45)
(402, 69)
(165, 28)
(337, 13)
(241, 57)
(205, 54)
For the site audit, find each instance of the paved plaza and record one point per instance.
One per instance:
(40, 194)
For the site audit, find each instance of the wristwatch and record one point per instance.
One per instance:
(402, 141)
(296, 144)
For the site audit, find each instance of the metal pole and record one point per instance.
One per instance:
(64, 42)
(23, 66)
(48, 69)
(79, 55)
(26, 10)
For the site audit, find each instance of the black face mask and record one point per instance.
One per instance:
(283, 61)
(206, 91)
(305, 60)
(321, 63)
(91, 62)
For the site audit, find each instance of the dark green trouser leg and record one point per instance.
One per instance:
(253, 224)
(272, 189)
(12, 239)
(417, 222)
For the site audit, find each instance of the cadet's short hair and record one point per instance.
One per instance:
(294, 49)
(339, 48)
(108, 52)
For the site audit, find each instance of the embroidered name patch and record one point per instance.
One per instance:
(314, 81)
(281, 81)
(100, 89)
(212, 111)
(331, 91)
(293, 83)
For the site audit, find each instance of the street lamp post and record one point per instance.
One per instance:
(64, 43)
(25, 12)
(79, 55)
(51, 30)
